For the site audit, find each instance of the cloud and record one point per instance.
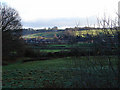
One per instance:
(48, 13)
(60, 22)
(31, 10)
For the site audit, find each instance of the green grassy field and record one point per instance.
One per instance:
(50, 35)
(93, 32)
(46, 35)
(61, 47)
(68, 72)
(53, 50)
(71, 45)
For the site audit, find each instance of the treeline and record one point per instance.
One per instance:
(33, 31)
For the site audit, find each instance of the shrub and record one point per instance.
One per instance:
(31, 53)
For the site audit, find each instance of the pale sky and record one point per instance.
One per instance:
(62, 13)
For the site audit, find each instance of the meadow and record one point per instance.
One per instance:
(61, 47)
(67, 72)
(49, 35)
(54, 65)
(45, 35)
(78, 57)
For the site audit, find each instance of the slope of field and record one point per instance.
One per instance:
(94, 32)
(50, 35)
(68, 72)
(45, 35)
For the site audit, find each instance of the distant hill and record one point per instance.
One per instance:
(32, 31)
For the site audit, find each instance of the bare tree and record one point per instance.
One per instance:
(11, 28)
(10, 18)
(110, 39)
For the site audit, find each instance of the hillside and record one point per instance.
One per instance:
(49, 34)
